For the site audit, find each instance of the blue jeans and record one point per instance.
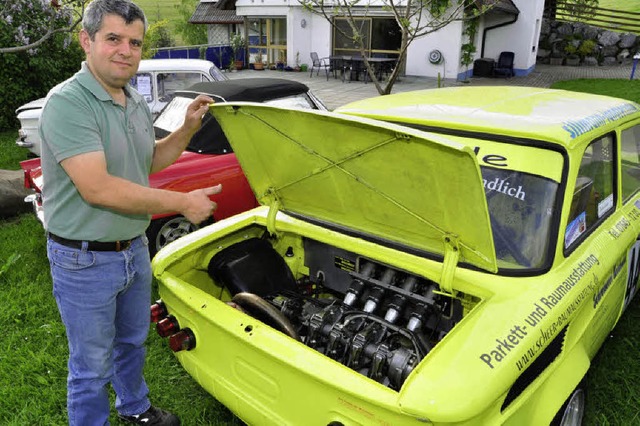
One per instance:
(104, 299)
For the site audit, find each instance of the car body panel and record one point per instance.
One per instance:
(520, 340)
(335, 182)
(537, 113)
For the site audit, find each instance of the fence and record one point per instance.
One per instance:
(610, 19)
(220, 55)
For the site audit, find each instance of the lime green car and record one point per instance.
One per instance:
(450, 257)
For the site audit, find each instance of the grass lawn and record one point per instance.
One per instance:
(33, 351)
(626, 5)
(158, 10)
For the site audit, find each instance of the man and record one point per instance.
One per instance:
(98, 150)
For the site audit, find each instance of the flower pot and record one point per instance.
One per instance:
(239, 65)
(556, 61)
(258, 66)
(572, 61)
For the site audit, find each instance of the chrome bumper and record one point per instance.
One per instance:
(36, 203)
(21, 142)
(24, 144)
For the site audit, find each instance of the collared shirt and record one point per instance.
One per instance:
(79, 116)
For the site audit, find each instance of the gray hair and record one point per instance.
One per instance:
(98, 9)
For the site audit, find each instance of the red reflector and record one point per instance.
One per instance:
(182, 340)
(158, 311)
(167, 326)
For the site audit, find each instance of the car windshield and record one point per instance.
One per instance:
(217, 74)
(521, 209)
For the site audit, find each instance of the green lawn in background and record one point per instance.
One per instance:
(33, 352)
(627, 5)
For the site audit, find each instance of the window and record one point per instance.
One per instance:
(168, 83)
(381, 37)
(630, 159)
(521, 207)
(143, 83)
(268, 35)
(593, 195)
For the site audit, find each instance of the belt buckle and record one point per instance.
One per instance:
(122, 245)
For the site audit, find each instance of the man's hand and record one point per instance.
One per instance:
(195, 112)
(199, 206)
(170, 148)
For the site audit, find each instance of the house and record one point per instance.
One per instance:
(285, 32)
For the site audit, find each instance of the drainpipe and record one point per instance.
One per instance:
(486, 30)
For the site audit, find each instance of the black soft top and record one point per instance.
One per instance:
(246, 89)
(210, 139)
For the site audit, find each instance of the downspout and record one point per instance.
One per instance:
(504, 24)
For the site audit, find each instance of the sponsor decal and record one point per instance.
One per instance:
(620, 226)
(502, 186)
(576, 128)
(540, 309)
(605, 205)
(575, 229)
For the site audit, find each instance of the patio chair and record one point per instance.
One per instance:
(504, 66)
(318, 64)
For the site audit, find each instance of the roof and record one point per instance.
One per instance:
(214, 13)
(148, 65)
(535, 113)
(504, 6)
(246, 89)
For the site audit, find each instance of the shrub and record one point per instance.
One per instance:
(587, 48)
(157, 35)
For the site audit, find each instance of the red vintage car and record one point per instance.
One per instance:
(208, 159)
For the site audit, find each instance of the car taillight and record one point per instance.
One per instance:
(167, 326)
(182, 340)
(158, 311)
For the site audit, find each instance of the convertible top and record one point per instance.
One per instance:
(245, 89)
(210, 139)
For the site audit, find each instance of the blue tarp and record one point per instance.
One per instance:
(220, 55)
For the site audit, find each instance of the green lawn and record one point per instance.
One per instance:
(157, 10)
(33, 351)
(627, 5)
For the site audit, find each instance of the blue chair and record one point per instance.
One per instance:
(504, 66)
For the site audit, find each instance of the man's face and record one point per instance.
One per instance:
(114, 54)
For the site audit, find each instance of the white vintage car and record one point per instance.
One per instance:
(156, 80)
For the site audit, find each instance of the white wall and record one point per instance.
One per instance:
(447, 40)
(520, 37)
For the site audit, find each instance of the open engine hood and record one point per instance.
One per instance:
(402, 185)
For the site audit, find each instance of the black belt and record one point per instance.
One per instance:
(93, 245)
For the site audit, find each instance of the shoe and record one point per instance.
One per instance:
(153, 417)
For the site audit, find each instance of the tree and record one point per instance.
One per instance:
(37, 51)
(416, 18)
(191, 33)
(158, 35)
(30, 23)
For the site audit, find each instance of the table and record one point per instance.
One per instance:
(355, 65)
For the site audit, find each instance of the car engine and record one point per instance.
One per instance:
(371, 317)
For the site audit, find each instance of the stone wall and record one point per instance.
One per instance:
(609, 47)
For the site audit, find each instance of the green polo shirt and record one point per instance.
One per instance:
(79, 116)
